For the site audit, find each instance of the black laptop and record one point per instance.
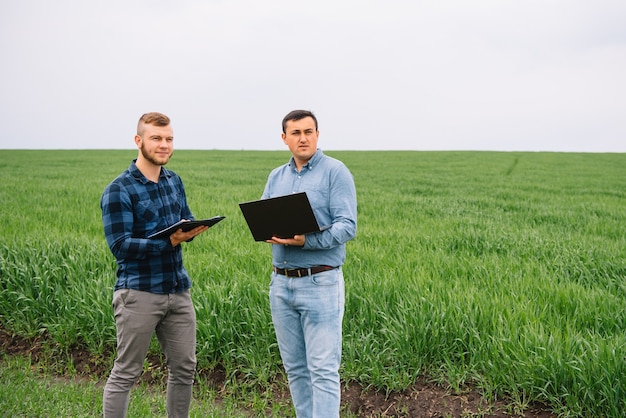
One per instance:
(283, 217)
(185, 226)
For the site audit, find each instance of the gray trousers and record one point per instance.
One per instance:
(137, 316)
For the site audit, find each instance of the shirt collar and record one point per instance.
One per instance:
(138, 175)
(311, 163)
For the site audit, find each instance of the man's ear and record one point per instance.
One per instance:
(137, 140)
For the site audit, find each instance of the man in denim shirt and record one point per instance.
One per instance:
(152, 289)
(307, 287)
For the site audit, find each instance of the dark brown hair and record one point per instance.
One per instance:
(297, 115)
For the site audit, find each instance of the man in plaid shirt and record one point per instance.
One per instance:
(151, 293)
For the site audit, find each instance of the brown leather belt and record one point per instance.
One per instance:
(302, 272)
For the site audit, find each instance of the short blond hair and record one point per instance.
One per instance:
(152, 118)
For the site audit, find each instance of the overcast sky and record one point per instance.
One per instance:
(525, 75)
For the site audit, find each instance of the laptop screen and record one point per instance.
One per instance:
(283, 216)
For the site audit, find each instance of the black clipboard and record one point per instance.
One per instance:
(185, 226)
(283, 217)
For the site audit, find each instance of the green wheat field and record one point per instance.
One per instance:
(503, 271)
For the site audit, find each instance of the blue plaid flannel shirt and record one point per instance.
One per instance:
(134, 207)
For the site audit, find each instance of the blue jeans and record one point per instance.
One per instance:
(307, 313)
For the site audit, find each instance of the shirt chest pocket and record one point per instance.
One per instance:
(146, 215)
(318, 194)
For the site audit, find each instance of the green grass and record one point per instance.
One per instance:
(502, 270)
(27, 392)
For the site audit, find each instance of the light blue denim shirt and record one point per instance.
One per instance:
(329, 185)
